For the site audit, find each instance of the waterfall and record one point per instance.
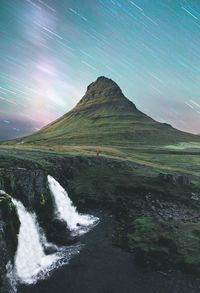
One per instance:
(31, 262)
(66, 211)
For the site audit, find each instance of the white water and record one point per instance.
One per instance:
(66, 211)
(31, 262)
(11, 279)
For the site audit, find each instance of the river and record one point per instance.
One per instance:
(103, 268)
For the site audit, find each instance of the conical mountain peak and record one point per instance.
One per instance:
(104, 84)
(104, 93)
(103, 87)
(105, 117)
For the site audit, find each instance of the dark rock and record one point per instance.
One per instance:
(176, 179)
(9, 228)
(59, 225)
(50, 249)
(195, 196)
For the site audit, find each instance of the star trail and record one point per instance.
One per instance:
(51, 50)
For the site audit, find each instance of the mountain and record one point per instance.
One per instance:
(105, 117)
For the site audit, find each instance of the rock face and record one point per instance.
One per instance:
(9, 228)
(103, 87)
(105, 93)
(31, 188)
(179, 179)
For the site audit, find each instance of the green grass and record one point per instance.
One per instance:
(184, 146)
(146, 232)
(166, 160)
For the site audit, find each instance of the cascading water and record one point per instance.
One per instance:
(66, 211)
(31, 262)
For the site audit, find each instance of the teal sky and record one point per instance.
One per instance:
(51, 50)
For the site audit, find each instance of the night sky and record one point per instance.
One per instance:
(51, 50)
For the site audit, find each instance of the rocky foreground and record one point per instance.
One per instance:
(156, 215)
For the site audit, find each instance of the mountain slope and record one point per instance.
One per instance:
(105, 117)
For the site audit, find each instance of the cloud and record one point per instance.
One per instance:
(10, 129)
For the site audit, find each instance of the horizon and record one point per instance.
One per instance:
(51, 52)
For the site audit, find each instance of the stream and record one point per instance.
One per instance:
(102, 268)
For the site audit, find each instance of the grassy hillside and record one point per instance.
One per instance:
(159, 159)
(105, 117)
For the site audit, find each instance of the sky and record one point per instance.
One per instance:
(51, 50)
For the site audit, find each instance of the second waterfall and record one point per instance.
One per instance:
(66, 211)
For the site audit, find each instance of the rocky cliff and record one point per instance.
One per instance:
(9, 227)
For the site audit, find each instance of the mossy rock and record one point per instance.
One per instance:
(188, 245)
(146, 230)
(150, 241)
(161, 245)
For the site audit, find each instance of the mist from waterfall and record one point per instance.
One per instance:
(65, 211)
(31, 262)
